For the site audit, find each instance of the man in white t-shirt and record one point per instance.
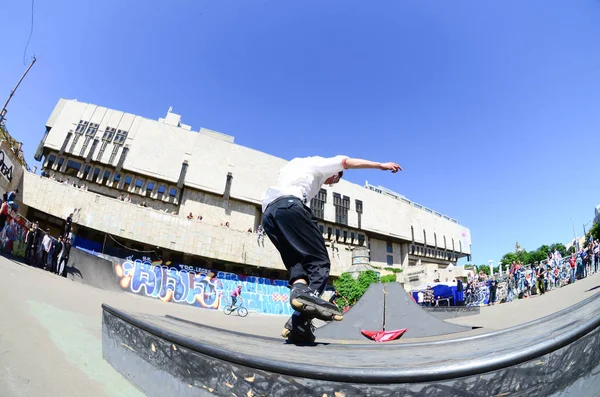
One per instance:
(290, 225)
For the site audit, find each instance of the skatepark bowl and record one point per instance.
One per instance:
(556, 355)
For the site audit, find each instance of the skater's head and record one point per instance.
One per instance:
(332, 180)
(239, 286)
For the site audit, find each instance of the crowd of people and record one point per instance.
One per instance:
(41, 249)
(523, 281)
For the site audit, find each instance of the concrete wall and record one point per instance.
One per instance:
(155, 227)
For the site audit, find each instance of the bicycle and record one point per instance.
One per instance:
(241, 310)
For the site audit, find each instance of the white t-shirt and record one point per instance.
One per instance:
(303, 177)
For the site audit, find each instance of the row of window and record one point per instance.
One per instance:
(74, 169)
(343, 235)
(341, 205)
(418, 250)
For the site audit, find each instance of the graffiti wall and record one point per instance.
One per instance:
(201, 287)
(12, 236)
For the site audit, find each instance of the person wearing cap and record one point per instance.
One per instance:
(290, 225)
(234, 295)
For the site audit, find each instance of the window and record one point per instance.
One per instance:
(89, 134)
(161, 189)
(81, 127)
(412, 233)
(120, 137)
(73, 168)
(359, 206)
(139, 183)
(60, 163)
(390, 260)
(435, 239)
(173, 192)
(106, 176)
(101, 152)
(150, 187)
(329, 231)
(108, 135)
(337, 234)
(388, 247)
(51, 160)
(345, 234)
(445, 246)
(322, 229)
(113, 154)
(361, 239)
(341, 208)
(359, 210)
(96, 174)
(127, 183)
(91, 130)
(117, 178)
(318, 204)
(86, 171)
(352, 236)
(424, 237)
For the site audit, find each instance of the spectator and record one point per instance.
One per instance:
(428, 296)
(63, 257)
(46, 245)
(260, 238)
(199, 218)
(573, 266)
(493, 285)
(541, 287)
(56, 250)
(121, 197)
(190, 216)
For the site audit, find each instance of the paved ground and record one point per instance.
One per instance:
(50, 333)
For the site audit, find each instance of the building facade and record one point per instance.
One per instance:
(196, 195)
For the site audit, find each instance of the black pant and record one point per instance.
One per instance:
(294, 231)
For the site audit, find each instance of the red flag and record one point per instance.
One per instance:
(384, 336)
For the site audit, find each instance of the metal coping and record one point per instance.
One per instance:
(383, 375)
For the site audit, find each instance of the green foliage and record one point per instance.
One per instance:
(393, 269)
(390, 278)
(572, 249)
(529, 257)
(352, 289)
(594, 232)
(484, 268)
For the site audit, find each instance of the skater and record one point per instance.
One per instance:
(234, 295)
(292, 228)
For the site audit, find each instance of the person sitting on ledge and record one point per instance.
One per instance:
(190, 216)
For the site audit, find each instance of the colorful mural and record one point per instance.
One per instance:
(201, 287)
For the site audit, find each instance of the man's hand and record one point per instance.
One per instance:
(390, 166)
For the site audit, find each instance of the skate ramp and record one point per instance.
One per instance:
(387, 307)
(558, 355)
(92, 270)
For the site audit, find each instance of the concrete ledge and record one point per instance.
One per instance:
(161, 354)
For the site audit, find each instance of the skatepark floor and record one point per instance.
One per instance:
(51, 329)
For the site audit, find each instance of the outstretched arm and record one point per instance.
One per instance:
(352, 163)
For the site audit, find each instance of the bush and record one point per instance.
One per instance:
(390, 278)
(352, 290)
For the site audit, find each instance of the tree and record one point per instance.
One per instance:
(484, 268)
(390, 278)
(509, 258)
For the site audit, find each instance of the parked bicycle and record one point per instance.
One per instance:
(241, 310)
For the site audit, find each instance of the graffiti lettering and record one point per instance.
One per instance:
(6, 167)
(203, 288)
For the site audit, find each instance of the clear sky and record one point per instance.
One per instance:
(491, 107)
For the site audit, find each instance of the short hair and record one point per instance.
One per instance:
(340, 174)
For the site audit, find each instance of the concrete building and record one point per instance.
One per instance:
(171, 173)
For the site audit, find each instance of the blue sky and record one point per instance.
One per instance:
(491, 107)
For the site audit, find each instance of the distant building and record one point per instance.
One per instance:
(175, 172)
(597, 214)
